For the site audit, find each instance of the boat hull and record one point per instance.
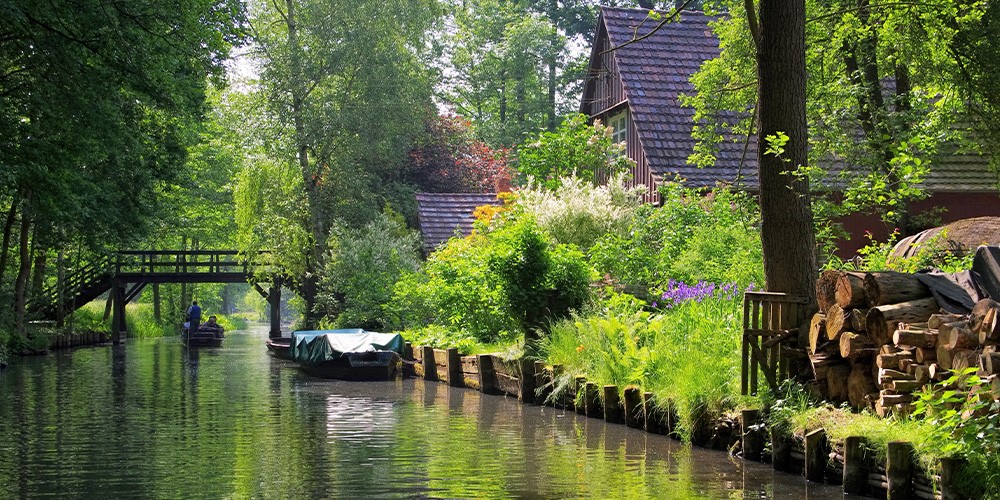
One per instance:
(280, 347)
(203, 338)
(358, 366)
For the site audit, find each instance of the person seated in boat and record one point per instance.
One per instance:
(213, 326)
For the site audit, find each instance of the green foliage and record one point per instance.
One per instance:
(361, 269)
(933, 253)
(495, 284)
(575, 148)
(579, 213)
(686, 239)
(440, 337)
(667, 353)
(964, 424)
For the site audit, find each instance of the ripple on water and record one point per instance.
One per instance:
(155, 420)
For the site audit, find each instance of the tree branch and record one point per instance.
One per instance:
(635, 34)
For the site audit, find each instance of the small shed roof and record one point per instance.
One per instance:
(442, 215)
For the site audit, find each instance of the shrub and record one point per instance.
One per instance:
(362, 267)
(496, 284)
(579, 213)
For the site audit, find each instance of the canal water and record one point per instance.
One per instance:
(152, 419)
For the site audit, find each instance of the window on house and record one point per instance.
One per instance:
(619, 126)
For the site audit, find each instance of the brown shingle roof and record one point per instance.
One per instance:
(441, 215)
(656, 70)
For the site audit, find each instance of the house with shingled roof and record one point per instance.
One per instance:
(636, 89)
(443, 215)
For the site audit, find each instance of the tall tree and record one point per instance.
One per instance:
(786, 212)
(96, 98)
(346, 95)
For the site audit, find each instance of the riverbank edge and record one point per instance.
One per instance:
(851, 464)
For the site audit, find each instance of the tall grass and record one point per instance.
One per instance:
(140, 321)
(687, 354)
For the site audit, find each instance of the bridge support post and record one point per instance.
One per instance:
(274, 298)
(118, 311)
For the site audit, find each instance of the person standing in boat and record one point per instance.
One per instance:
(194, 316)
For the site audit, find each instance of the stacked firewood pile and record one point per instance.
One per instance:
(881, 336)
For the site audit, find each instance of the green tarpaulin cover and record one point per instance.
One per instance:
(313, 347)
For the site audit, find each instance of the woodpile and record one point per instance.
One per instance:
(881, 337)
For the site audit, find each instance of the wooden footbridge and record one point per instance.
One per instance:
(124, 274)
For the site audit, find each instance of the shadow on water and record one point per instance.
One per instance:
(153, 418)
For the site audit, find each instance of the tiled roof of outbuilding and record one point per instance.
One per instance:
(443, 214)
(656, 70)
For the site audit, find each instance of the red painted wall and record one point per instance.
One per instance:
(958, 206)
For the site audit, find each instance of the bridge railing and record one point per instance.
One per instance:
(180, 262)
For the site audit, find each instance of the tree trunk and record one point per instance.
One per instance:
(890, 287)
(8, 226)
(157, 313)
(41, 259)
(853, 345)
(21, 284)
(787, 233)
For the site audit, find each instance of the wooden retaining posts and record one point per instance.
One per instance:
(67, 340)
(851, 464)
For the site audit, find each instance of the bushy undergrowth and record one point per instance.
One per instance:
(685, 354)
(933, 253)
(693, 236)
(362, 267)
(495, 285)
(139, 320)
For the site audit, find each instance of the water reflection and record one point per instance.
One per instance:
(155, 419)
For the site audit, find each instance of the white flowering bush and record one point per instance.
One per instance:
(577, 212)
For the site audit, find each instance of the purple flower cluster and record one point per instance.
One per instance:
(678, 292)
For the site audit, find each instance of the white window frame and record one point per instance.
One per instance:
(619, 126)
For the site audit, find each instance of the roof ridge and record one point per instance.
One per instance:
(637, 10)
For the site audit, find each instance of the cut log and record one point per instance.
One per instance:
(888, 375)
(821, 363)
(990, 363)
(892, 361)
(957, 335)
(890, 287)
(989, 330)
(817, 331)
(850, 290)
(906, 385)
(860, 384)
(858, 319)
(922, 374)
(963, 358)
(836, 382)
(881, 321)
(915, 338)
(936, 320)
(895, 399)
(979, 312)
(936, 372)
(853, 345)
(826, 289)
(944, 357)
(924, 355)
(837, 322)
(889, 349)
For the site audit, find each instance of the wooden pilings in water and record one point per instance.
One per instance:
(67, 340)
(814, 456)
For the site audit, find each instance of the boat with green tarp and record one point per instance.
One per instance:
(347, 354)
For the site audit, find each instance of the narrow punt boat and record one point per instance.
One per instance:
(280, 347)
(347, 354)
(204, 336)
